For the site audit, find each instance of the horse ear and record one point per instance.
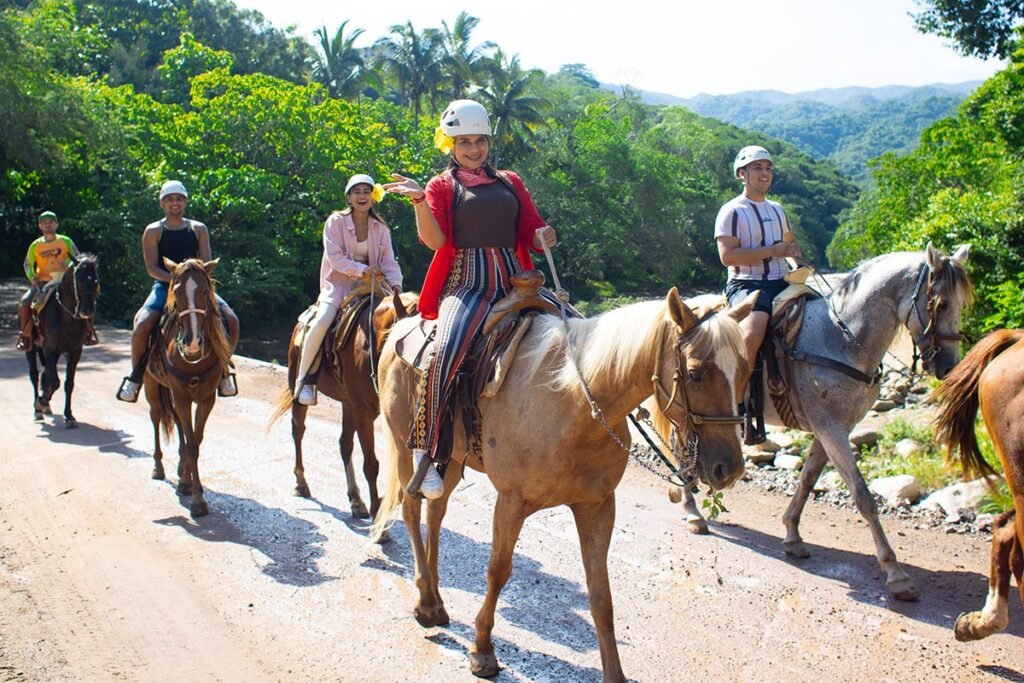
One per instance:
(169, 265)
(396, 301)
(933, 256)
(744, 308)
(962, 253)
(208, 266)
(678, 310)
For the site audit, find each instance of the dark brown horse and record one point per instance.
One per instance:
(347, 375)
(186, 362)
(62, 322)
(991, 376)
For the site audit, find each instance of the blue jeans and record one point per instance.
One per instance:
(737, 290)
(157, 298)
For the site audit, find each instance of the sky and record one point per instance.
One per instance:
(679, 47)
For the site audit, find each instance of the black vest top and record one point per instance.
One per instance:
(486, 217)
(177, 245)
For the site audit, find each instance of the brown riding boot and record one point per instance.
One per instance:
(24, 328)
(91, 338)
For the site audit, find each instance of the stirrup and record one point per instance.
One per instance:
(24, 343)
(227, 386)
(426, 480)
(306, 395)
(128, 391)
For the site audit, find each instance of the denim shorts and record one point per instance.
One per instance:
(157, 298)
(738, 290)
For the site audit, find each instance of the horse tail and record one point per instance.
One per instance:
(282, 404)
(165, 412)
(389, 502)
(957, 401)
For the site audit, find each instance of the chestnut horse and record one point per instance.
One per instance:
(346, 375)
(991, 376)
(542, 445)
(186, 362)
(63, 325)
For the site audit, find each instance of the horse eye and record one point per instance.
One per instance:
(695, 374)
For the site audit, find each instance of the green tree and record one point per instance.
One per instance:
(515, 112)
(337, 64)
(461, 63)
(186, 61)
(412, 60)
(980, 28)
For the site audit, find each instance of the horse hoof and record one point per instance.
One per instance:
(904, 590)
(796, 549)
(302, 491)
(384, 537)
(71, 423)
(965, 629)
(675, 494)
(438, 617)
(184, 489)
(697, 527)
(359, 511)
(38, 416)
(46, 409)
(483, 665)
(199, 509)
(158, 473)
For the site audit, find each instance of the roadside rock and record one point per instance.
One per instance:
(786, 461)
(898, 490)
(907, 448)
(864, 437)
(952, 498)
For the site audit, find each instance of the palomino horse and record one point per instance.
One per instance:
(185, 365)
(542, 447)
(63, 325)
(923, 291)
(347, 375)
(991, 376)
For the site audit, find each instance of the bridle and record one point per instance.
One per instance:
(930, 332)
(179, 339)
(687, 427)
(76, 313)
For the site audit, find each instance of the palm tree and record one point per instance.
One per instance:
(337, 64)
(411, 58)
(462, 64)
(515, 114)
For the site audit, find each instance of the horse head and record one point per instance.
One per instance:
(708, 366)
(84, 282)
(191, 300)
(942, 291)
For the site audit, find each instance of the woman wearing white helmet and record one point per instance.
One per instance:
(481, 224)
(357, 242)
(754, 239)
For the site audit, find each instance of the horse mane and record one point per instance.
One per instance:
(952, 274)
(957, 402)
(213, 329)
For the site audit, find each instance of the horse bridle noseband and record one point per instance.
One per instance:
(179, 344)
(691, 419)
(929, 331)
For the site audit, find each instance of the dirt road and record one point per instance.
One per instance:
(104, 576)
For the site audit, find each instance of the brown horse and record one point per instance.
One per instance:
(991, 376)
(186, 362)
(542, 446)
(62, 323)
(348, 376)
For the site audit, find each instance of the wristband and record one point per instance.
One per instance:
(419, 200)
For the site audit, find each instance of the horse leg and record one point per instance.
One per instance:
(298, 431)
(183, 421)
(794, 545)
(429, 609)
(346, 443)
(33, 377)
(594, 523)
(69, 386)
(509, 514)
(199, 507)
(994, 616)
(371, 467)
(152, 390)
(899, 583)
(695, 522)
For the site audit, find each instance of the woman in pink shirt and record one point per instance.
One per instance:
(356, 242)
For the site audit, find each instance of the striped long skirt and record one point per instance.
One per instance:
(478, 279)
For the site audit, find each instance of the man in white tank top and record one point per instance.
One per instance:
(754, 239)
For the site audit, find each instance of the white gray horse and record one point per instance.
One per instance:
(925, 292)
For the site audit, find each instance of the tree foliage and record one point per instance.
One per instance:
(980, 28)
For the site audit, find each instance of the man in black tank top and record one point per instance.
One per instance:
(178, 238)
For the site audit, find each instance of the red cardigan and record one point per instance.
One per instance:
(440, 192)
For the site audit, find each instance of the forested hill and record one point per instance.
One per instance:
(849, 126)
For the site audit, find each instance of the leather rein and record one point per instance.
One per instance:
(76, 313)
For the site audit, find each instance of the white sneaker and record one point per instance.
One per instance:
(227, 386)
(129, 391)
(307, 395)
(432, 486)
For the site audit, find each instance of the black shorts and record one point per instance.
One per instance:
(738, 290)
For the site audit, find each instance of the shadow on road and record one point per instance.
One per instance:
(89, 436)
(292, 545)
(944, 594)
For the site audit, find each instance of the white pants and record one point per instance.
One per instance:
(325, 314)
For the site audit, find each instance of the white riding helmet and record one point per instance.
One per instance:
(465, 117)
(358, 179)
(173, 187)
(747, 155)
